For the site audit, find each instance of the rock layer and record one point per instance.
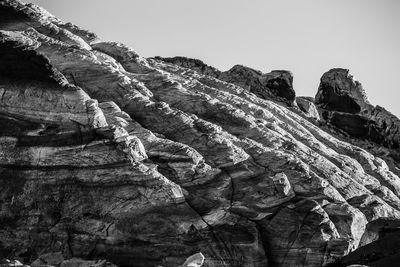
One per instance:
(108, 155)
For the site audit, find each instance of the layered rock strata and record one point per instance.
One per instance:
(275, 85)
(306, 105)
(108, 155)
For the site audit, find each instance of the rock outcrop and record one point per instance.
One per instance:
(306, 104)
(344, 104)
(110, 157)
(384, 252)
(275, 85)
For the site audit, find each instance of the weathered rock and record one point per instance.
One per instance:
(344, 104)
(339, 92)
(11, 263)
(174, 157)
(378, 229)
(124, 55)
(75, 262)
(193, 64)
(195, 260)
(308, 107)
(57, 260)
(383, 252)
(349, 222)
(299, 234)
(277, 84)
(16, 16)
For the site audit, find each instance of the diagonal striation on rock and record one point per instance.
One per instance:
(105, 154)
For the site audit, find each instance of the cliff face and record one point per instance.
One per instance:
(105, 154)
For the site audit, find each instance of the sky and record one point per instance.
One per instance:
(307, 37)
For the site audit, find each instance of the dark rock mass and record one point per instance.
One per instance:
(108, 158)
(339, 92)
(344, 104)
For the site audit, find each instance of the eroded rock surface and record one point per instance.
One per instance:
(306, 104)
(277, 84)
(109, 156)
(344, 104)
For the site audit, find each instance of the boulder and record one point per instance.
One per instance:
(277, 84)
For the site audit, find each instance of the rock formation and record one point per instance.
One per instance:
(306, 104)
(344, 104)
(110, 157)
(275, 85)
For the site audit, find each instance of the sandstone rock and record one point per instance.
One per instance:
(74, 262)
(11, 263)
(126, 56)
(108, 155)
(308, 107)
(349, 222)
(52, 259)
(344, 104)
(16, 16)
(338, 91)
(195, 260)
(378, 229)
(293, 227)
(193, 64)
(383, 252)
(277, 84)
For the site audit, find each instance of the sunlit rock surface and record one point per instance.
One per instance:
(306, 104)
(112, 158)
(277, 84)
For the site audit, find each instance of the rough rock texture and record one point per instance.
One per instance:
(385, 252)
(276, 85)
(109, 156)
(306, 104)
(344, 104)
(338, 91)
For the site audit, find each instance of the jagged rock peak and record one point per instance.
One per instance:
(191, 63)
(339, 91)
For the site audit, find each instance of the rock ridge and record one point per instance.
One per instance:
(107, 156)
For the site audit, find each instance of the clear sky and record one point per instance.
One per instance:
(307, 37)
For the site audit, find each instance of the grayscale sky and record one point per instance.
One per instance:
(307, 37)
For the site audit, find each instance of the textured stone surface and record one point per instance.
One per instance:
(384, 252)
(195, 260)
(308, 107)
(277, 84)
(344, 104)
(338, 91)
(109, 156)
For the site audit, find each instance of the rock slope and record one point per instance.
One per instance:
(108, 155)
